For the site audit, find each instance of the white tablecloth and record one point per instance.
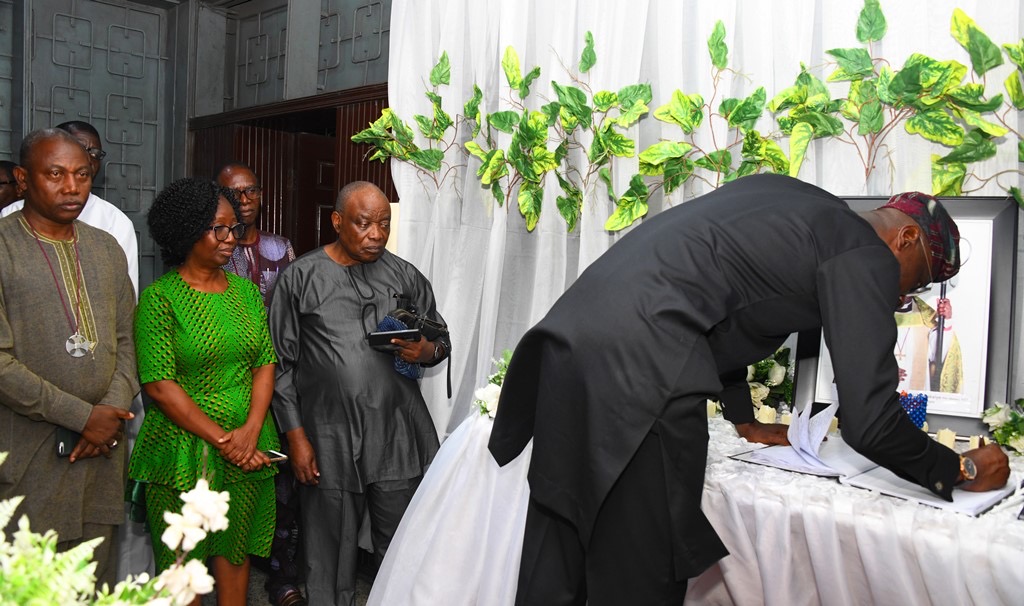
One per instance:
(793, 539)
(797, 539)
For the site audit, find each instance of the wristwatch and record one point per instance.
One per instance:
(968, 470)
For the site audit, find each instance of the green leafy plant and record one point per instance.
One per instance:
(551, 140)
(579, 134)
(486, 397)
(746, 151)
(391, 137)
(32, 571)
(771, 380)
(1006, 422)
(930, 98)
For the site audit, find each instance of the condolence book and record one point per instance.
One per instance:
(812, 453)
(838, 460)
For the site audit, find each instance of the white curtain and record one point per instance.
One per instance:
(492, 278)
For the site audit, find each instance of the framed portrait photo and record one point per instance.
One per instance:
(953, 341)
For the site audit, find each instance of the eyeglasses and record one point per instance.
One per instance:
(2, 183)
(96, 153)
(221, 231)
(921, 288)
(253, 192)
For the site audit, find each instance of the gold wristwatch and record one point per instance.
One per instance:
(968, 470)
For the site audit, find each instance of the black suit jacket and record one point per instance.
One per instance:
(694, 294)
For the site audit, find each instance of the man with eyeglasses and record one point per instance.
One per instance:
(8, 185)
(611, 385)
(260, 256)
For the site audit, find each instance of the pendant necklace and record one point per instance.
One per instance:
(77, 344)
(901, 342)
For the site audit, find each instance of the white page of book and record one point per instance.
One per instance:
(786, 457)
(846, 461)
(971, 503)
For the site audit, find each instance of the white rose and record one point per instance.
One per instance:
(750, 374)
(777, 374)
(996, 416)
(758, 393)
(208, 506)
(1017, 443)
(183, 530)
(185, 582)
(488, 396)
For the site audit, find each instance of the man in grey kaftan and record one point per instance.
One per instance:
(359, 433)
(64, 284)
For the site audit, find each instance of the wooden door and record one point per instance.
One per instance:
(313, 191)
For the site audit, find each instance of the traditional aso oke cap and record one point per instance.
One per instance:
(940, 232)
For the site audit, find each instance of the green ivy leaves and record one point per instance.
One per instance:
(513, 74)
(717, 48)
(579, 134)
(1014, 83)
(984, 54)
(871, 25)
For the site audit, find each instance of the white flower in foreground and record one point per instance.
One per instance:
(183, 529)
(758, 393)
(777, 374)
(487, 396)
(208, 505)
(1017, 443)
(996, 416)
(750, 373)
(184, 583)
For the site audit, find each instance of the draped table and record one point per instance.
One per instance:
(793, 539)
(798, 539)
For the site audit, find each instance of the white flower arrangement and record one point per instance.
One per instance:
(1006, 422)
(771, 380)
(486, 397)
(32, 571)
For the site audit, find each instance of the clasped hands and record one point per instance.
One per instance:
(239, 447)
(103, 430)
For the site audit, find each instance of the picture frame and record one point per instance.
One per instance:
(983, 311)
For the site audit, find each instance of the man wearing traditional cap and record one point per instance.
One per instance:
(611, 384)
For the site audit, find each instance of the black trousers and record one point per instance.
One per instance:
(630, 556)
(330, 522)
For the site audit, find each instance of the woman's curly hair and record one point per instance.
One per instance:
(182, 213)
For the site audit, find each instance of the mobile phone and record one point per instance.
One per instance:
(66, 441)
(381, 341)
(275, 456)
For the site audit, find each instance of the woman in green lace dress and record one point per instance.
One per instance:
(206, 359)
